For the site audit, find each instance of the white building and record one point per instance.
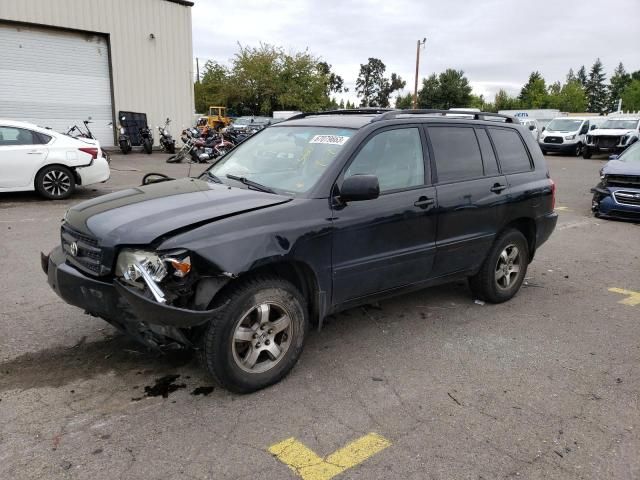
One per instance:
(65, 60)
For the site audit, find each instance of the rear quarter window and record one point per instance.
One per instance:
(512, 153)
(456, 153)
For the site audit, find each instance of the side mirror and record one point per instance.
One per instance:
(593, 127)
(532, 127)
(613, 157)
(360, 187)
(544, 128)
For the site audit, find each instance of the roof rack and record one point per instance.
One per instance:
(350, 111)
(453, 113)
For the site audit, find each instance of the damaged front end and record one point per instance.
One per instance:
(158, 298)
(617, 196)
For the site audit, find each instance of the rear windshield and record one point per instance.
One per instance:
(631, 154)
(289, 160)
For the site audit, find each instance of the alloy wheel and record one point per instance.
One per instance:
(508, 266)
(56, 183)
(262, 337)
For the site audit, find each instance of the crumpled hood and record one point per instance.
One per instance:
(611, 132)
(616, 167)
(140, 215)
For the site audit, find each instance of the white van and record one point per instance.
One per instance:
(531, 122)
(565, 135)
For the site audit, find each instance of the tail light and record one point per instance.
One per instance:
(91, 151)
(553, 194)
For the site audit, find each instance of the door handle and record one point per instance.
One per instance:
(497, 188)
(35, 152)
(424, 202)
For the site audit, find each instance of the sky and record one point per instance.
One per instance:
(497, 43)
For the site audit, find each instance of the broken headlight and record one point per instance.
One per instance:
(134, 265)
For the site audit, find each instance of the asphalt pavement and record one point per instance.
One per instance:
(430, 385)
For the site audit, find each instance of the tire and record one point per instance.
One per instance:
(578, 150)
(55, 182)
(586, 153)
(544, 152)
(124, 146)
(490, 283)
(175, 159)
(171, 148)
(147, 146)
(247, 363)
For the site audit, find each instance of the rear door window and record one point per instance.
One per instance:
(10, 136)
(488, 157)
(456, 153)
(512, 154)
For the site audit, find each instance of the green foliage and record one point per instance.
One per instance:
(404, 101)
(374, 88)
(597, 98)
(262, 79)
(618, 83)
(631, 96)
(450, 89)
(582, 76)
(534, 92)
(504, 101)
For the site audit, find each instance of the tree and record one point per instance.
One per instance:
(447, 90)
(618, 82)
(597, 100)
(571, 76)
(534, 92)
(374, 88)
(212, 88)
(573, 97)
(631, 96)
(404, 101)
(504, 101)
(341, 105)
(335, 83)
(582, 76)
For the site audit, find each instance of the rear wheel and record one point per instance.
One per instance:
(125, 147)
(147, 146)
(504, 269)
(55, 182)
(257, 337)
(171, 148)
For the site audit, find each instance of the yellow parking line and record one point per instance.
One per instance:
(633, 298)
(308, 465)
(562, 209)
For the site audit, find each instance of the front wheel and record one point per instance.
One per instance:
(578, 150)
(257, 337)
(125, 146)
(586, 153)
(147, 146)
(504, 269)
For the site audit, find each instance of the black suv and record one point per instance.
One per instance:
(316, 214)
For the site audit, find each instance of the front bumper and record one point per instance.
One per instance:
(605, 203)
(126, 308)
(558, 147)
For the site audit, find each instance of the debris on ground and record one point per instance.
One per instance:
(164, 386)
(66, 465)
(377, 379)
(478, 302)
(202, 391)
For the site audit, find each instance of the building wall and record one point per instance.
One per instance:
(153, 76)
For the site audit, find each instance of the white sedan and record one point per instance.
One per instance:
(51, 163)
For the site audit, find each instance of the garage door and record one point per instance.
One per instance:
(55, 79)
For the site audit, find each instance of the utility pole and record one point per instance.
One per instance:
(415, 87)
(198, 68)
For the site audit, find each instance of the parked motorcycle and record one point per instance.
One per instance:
(201, 149)
(167, 142)
(146, 138)
(77, 132)
(123, 139)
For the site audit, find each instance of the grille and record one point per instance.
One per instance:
(629, 181)
(88, 255)
(552, 139)
(627, 198)
(607, 142)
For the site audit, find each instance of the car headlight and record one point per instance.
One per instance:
(136, 266)
(542, 135)
(569, 137)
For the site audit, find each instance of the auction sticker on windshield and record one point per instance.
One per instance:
(329, 139)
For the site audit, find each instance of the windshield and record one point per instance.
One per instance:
(564, 125)
(622, 124)
(289, 160)
(242, 121)
(631, 154)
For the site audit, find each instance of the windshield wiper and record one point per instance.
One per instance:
(250, 183)
(213, 177)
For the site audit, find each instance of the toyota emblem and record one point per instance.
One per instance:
(73, 249)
